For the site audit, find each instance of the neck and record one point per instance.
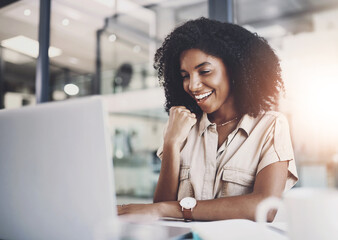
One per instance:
(224, 119)
(226, 113)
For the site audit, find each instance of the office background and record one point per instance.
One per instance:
(106, 47)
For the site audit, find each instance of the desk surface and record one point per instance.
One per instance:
(232, 229)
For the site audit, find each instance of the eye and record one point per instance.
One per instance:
(203, 72)
(185, 76)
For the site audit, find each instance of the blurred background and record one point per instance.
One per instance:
(106, 47)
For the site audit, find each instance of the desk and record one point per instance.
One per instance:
(142, 227)
(238, 229)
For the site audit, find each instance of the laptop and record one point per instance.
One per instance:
(56, 174)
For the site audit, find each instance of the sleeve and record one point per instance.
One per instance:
(278, 147)
(159, 152)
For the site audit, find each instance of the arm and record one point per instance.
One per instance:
(166, 188)
(270, 181)
(181, 121)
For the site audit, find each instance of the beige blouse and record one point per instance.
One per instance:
(207, 173)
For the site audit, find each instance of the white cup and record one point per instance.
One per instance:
(311, 214)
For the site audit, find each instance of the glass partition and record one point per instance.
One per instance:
(136, 166)
(304, 35)
(129, 42)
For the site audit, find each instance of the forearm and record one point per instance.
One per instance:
(238, 207)
(270, 181)
(167, 185)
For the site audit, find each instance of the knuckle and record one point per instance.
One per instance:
(182, 108)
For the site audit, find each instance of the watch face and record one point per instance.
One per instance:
(188, 202)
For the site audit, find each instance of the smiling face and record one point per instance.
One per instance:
(206, 80)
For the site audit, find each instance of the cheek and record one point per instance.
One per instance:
(186, 85)
(223, 82)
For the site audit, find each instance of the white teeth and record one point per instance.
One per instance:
(199, 97)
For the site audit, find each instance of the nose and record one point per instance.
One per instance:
(195, 83)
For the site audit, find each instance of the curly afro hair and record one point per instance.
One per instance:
(253, 67)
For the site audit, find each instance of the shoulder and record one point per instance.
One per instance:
(277, 123)
(264, 122)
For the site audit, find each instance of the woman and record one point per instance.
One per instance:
(224, 149)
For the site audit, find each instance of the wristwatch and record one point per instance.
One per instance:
(188, 204)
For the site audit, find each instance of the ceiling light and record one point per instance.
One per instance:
(71, 89)
(136, 49)
(65, 22)
(28, 46)
(15, 57)
(27, 12)
(112, 38)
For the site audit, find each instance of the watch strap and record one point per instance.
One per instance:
(187, 214)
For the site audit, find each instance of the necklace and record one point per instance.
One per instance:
(223, 124)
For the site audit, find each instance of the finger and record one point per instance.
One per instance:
(178, 108)
(184, 110)
(193, 115)
(181, 110)
(121, 209)
(175, 107)
(194, 121)
(189, 114)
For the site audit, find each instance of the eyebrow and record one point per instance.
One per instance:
(198, 66)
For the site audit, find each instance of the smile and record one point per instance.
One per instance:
(204, 95)
(201, 97)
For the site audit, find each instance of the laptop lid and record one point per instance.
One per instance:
(56, 176)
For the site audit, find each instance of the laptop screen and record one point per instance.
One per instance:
(56, 176)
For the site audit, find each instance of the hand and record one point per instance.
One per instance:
(181, 120)
(140, 209)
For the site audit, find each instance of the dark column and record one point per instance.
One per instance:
(96, 84)
(2, 80)
(221, 10)
(42, 66)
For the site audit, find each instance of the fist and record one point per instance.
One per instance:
(181, 120)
